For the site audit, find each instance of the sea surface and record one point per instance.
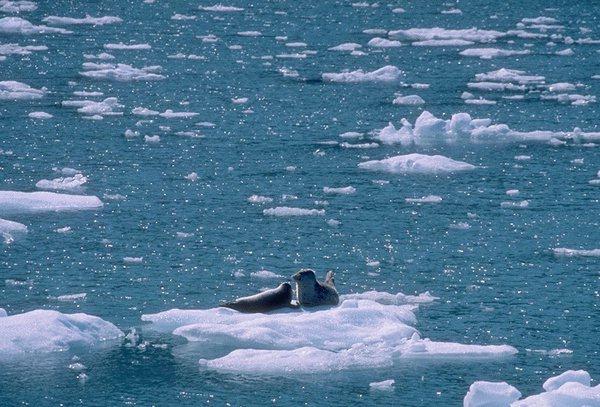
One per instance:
(496, 276)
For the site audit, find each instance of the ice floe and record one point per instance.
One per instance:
(437, 33)
(91, 108)
(122, 46)
(425, 199)
(15, 202)
(51, 331)
(40, 115)
(385, 385)
(409, 100)
(388, 73)
(566, 252)
(489, 53)
(569, 389)
(357, 334)
(378, 42)
(56, 20)
(17, 6)
(17, 25)
(122, 72)
(9, 230)
(74, 183)
(417, 164)
(282, 211)
(340, 191)
(461, 127)
(220, 8)
(13, 90)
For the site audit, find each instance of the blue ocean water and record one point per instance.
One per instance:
(498, 282)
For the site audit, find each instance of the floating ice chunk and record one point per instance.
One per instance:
(249, 33)
(71, 297)
(417, 164)
(152, 139)
(443, 43)
(64, 230)
(3, 313)
(51, 331)
(491, 394)
(570, 394)
(102, 56)
(410, 100)
(122, 46)
(565, 52)
(9, 230)
(17, 25)
(180, 17)
(17, 6)
(375, 31)
(265, 274)
(515, 204)
(351, 135)
(142, 111)
(340, 191)
(495, 86)
(105, 107)
(383, 43)
(31, 202)
(386, 74)
(385, 298)
(512, 192)
(16, 49)
(133, 260)
(54, 20)
(436, 33)
(192, 176)
(291, 56)
(452, 11)
(480, 101)
(489, 53)
(291, 211)
(398, 10)
(220, 8)
(539, 20)
(40, 115)
(124, 73)
(333, 222)
(460, 226)
(13, 90)
(347, 46)
(564, 252)
(73, 183)
(425, 199)
(570, 376)
(239, 101)
(259, 199)
(561, 87)
(509, 75)
(385, 385)
(169, 114)
(359, 145)
(87, 94)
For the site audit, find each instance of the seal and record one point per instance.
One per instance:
(312, 293)
(269, 300)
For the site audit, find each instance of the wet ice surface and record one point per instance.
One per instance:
(201, 141)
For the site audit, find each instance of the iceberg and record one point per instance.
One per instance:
(13, 90)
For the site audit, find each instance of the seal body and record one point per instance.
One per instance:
(280, 297)
(313, 293)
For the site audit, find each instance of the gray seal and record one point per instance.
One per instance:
(269, 300)
(312, 293)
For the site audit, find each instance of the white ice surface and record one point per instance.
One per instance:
(417, 164)
(388, 73)
(14, 202)
(13, 90)
(51, 331)
(281, 211)
(358, 333)
(17, 25)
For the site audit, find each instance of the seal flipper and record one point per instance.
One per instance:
(329, 280)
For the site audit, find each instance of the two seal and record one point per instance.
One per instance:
(313, 293)
(266, 301)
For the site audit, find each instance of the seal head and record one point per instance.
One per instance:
(312, 293)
